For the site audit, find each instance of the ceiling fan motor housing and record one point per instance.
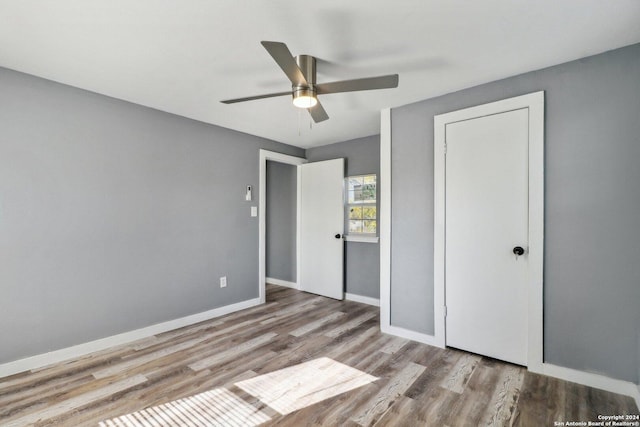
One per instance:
(307, 65)
(304, 95)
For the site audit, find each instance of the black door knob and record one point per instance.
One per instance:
(518, 250)
(337, 236)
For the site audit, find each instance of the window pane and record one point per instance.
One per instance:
(355, 196)
(354, 182)
(355, 226)
(369, 192)
(355, 212)
(369, 227)
(369, 212)
(369, 179)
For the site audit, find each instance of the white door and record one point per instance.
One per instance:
(486, 221)
(321, 228)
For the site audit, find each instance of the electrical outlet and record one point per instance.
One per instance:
(223, 282)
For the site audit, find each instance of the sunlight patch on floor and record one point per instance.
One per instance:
(217, 407)
(299, 386)
(285, 390)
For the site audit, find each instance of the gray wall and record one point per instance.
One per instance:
(362, 260)
(592, 209)
(115, 216)
(281, 221)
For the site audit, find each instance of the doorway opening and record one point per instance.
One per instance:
(284, 159)
(281, 224)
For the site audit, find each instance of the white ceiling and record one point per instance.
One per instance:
(184, 56)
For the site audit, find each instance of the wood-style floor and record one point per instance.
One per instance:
(416, 384)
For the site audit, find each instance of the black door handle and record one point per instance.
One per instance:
(518, 250)
(338, 236)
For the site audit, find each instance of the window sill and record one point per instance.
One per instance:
(361, 239)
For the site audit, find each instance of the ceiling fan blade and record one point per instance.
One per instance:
(368, 83)
(251, 98)
(317, 113)
(283, 57)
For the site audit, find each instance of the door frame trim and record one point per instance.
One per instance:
(534, 102)
(266, 155)
(384, 225)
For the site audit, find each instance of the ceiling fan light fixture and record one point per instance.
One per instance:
(304, 97)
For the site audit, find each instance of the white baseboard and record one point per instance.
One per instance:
(411, 335)
(279, 282)
(592, 380)
(362, 299)
(79, 350)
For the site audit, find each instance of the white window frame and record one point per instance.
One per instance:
(361, 237)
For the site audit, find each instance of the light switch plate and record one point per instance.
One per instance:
(254, 211)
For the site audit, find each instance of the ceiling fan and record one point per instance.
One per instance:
(301, 71)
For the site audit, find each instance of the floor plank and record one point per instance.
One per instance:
(388, 394)
(66, 405)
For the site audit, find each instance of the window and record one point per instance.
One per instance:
(361, 205)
